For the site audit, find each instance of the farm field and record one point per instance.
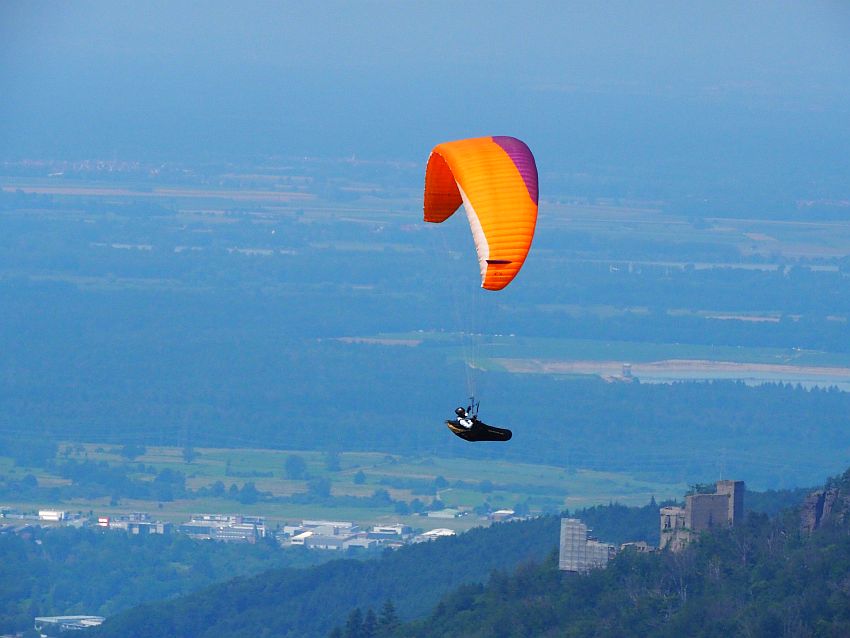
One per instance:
(458, 483)
(650, 362)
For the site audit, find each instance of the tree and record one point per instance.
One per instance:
(249, 493)
(382, 496)
(29, 452)
(132, 451)
(388, 619)
(295, 468)
(189, 454)
(354, 624)
(319, 487)
(332, 461)
(370, 624)
(701, 488)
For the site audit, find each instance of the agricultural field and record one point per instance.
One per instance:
(648, 362)
(305, 305)
(458, 483)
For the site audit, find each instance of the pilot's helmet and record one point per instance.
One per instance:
(460, 412)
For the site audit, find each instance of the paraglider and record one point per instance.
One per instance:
(495, 179)
(468, 426)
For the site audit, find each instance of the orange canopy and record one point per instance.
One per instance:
(495, 178)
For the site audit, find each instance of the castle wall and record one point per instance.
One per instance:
(705, 511)
(724, 508)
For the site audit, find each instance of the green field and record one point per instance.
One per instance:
(463, 484)
(491, 348)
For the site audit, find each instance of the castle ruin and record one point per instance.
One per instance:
(724, 508)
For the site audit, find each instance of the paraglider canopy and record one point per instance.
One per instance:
(495, 178)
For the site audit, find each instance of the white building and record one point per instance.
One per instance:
(501, 515)
(578, 552)
(301, 538)
(53, 516)
(434, 534)
(331, 535)
(222, 527)
(67, 623)
(444, 513)
(398, 529)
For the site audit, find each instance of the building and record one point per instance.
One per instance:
(300, 538)
(448, 512)
(580, 553)
(141, 528)
(702, 512)
(53, 516)
(321, 541)
(137, 523)
(361, 542)
(393, 536)
(343, 535)
(67, 623)
(221, 527)
(434, 534)
(501, 515)
(392, 532)
(329, 528)
(641, 547)
(331, 535)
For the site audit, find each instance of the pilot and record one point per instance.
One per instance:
(464, 418)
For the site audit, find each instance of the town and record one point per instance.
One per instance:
(579, 551)
(239, 528)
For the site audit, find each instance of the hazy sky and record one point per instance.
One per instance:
(670, 85)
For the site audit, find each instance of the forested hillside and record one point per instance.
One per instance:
(310, 602)
(47, 572)
(768, 577)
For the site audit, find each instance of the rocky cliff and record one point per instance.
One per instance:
(830, 505)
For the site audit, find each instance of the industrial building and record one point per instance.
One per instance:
(702, 512)
(398, 531)
(579, 552)
(434, 534)
(137, 523)
(500, 516)
(53, 516)
(67, 623)
(448, 512)
(344, 535)
(220, 527)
